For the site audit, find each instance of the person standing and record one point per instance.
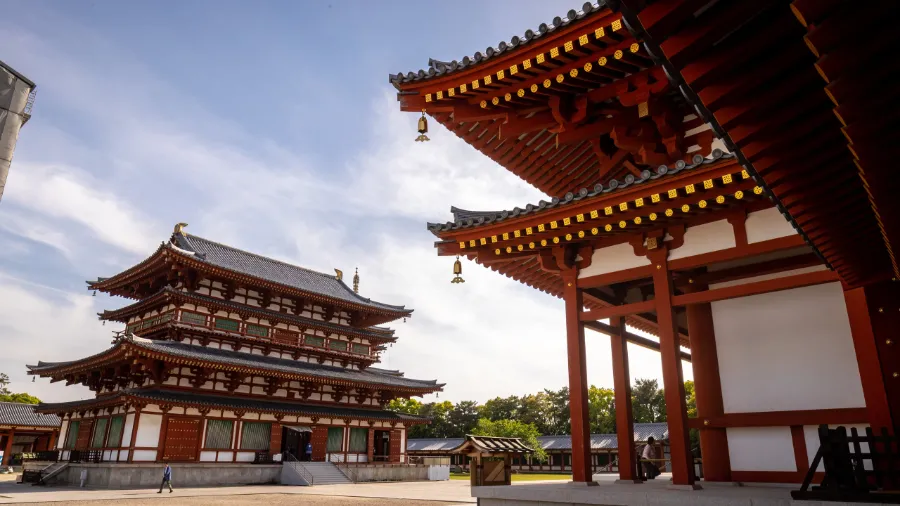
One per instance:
(167, 479)
(309, 451)
(647, 455)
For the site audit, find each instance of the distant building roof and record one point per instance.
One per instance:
(491, 444)
(642, 432)
(23, 415)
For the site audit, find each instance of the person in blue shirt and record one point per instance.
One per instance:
(167, 480)
(309, 452)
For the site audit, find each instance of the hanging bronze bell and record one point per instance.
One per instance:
(457, 270)
(423, 128)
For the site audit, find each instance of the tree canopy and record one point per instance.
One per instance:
(7, 396)
(546, 411)
(527, 432)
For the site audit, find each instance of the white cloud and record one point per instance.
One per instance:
(145, 167)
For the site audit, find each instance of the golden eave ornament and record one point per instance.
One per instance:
(423, 128)
(457, 270)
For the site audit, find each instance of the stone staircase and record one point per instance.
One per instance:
(325, 473)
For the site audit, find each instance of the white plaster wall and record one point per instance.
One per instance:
(767, 224)
(144, 455)
(225, 457)
(788, 350)
(705, 238)
(761, 449)
(765, 277)
(126, 432)
(613, 259)
(148, 430)
(246, 456)
(63, 431)
(207, 456)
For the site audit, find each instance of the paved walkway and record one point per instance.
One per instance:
(453, 491)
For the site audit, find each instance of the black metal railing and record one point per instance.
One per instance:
(263, 457)
(86, 456)
(290, 460)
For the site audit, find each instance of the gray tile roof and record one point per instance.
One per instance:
(642, 431)
(23, 415)
(437, 68)
(241, 403)
(373, 332)
(253, 361)
(258, 266)
(463, 219)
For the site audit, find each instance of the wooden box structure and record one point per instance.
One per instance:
(717, 175)
(232, 357)
(491, 458)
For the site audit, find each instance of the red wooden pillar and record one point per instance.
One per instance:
(275, 439)
(673, 379)
(578, 389)
(370, 446)
(870, 367)
(7, 450)
(624, 416)
(396, 449)
(708, 389)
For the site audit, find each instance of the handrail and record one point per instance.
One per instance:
(342, 466)
(294, 462)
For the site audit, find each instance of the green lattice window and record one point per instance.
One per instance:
(133, 327)
(99, 432)
(255, 435)
(335, 440)
(257, 330)
(226, 324)
(72, 435)
(335, 344)
(166, 317)
(315, 341)
(359, 349)
(193, 318)
(358, 440)
(218, 434)
(114, 439)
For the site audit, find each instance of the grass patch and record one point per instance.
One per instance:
(520, 477)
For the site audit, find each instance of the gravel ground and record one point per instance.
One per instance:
(268, 499)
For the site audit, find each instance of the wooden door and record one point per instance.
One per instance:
(182, 439)
(85, 430)
(395, 446)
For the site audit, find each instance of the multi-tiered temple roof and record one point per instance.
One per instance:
(214, 325)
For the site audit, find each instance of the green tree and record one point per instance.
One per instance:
(440, 425)
(536, 410)
(648, 402)
(527, 432)
(501, 408)
(558, 414)
(690, 397)
(7, 396)
(463, 418)
(602, 409)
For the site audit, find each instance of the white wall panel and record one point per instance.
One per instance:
(148, 430)
(767, 224)
(761, 449)
(705, 238)
(788, 350)
(613, 259)
(144, 455)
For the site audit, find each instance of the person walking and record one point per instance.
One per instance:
(650, 469)
(167, 479)
(309, 452)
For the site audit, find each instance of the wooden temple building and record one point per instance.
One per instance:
(22, 430)
(231, 357)
(718, 175)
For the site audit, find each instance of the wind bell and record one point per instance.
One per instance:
(423, 128)
(457, 270)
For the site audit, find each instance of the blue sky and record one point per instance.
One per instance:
(269, 126)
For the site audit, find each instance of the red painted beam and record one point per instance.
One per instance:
(614, 311)
(757, 288)
(841, 416)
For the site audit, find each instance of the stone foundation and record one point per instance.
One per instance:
(183, 475)
(386, 472)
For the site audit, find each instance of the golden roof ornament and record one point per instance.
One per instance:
(179, 228)
(356, 281)
(457, 270)
(339, 274)
(423, 128)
